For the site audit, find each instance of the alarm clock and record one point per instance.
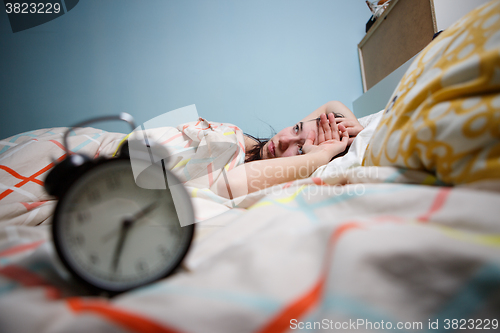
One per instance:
(110, 233)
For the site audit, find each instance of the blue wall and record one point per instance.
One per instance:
(251, 63)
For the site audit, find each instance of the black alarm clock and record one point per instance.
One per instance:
(110, 233)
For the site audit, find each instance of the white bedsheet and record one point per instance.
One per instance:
(354, 156)
(388, 246)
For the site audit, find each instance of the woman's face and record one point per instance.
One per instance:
(289, 141)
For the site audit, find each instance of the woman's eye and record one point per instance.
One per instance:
(296, 128)
(300, 150)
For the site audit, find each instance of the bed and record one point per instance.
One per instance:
(402, 233)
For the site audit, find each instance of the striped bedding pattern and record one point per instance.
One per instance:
(364, 249)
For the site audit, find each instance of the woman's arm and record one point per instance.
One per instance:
(331, 107)
(253, 176)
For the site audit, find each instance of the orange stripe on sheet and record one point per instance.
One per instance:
(233, 161)
(30, 206)
(281, 322)
(5, 193)
(28, 279)
(235, 128)
(46, 168)
(171, 138)
(32, 178)
(311, 298)
(21, 248)
(129, 320)
(438, 203)
(57, 143)
(18, 176)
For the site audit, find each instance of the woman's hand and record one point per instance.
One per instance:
(327, 128)
(352, 125)
(332, 138)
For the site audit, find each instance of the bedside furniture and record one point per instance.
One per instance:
(398, 35)
(403, 30)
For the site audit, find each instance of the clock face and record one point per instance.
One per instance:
(115, 235)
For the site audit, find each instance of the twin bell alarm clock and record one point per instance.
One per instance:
(117, 224)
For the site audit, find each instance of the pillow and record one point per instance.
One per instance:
(444, 116)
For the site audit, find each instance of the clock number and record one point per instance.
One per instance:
(49, 8)
(141, 266)
(163, 251)
(79, 239)
(173, 230)
(94, 259)
(83, 216)
(113, 182)
(25, 7)
(94, 196)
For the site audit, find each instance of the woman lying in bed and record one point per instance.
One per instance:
(307, 145)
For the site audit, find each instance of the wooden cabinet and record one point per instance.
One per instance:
(403, 30)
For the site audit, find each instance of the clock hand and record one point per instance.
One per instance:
(138, 215)
(143, 212)
(126, 224)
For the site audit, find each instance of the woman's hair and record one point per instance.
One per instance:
(255, 153)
